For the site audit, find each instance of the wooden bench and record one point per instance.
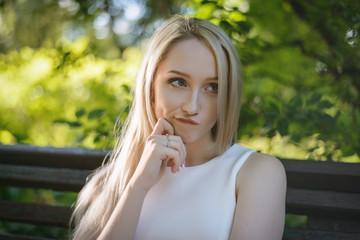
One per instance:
(327, 193)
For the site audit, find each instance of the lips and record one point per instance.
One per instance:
(187, 121)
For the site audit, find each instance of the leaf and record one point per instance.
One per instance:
(60, 121)
(325, 104)
(206, 10)
(127, 109)
(97, 113)
(273, 107)
(295, 102)
(300, 115)
(97, 138)
(271, 133)
(270, 118)
(71, 124)
(269, 124)
(80, 113)
(74, 124)
(244, 27)
(126, 88)
(326, 120)
(283, 127)
(237, 16)
(315, 98)
(226, 26)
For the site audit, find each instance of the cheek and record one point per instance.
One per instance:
(212, 110)
(164, 103)
(214, 113)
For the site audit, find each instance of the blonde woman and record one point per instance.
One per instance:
(177, 172)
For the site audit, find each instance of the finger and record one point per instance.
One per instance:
(163, 127)
(176, 146)
(162, 167)
(173, 159)
(181, 148)
(175, 142)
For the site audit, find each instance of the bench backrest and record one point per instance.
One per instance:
(328, 193)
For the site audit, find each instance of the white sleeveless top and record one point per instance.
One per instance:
(197, 203)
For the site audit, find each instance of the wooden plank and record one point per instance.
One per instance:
(303, 202)
(300, 173)
(324, 204)
(301, 234)
(35, 213)
(333, 176)
(4, 236)
(321, 167)
(75, 158)
(42, 177)
(335, 225)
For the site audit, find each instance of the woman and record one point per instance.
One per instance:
(185, 113)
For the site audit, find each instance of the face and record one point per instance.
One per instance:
(185, 90)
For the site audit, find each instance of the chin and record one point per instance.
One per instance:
(185, 137)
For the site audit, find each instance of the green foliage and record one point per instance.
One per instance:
(110, 25)
(295, 221)
(64, 96)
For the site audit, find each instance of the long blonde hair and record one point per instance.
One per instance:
(98, 198)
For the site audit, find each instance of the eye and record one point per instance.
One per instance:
(213, 87)
(177, 82)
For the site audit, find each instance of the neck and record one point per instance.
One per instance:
(200, 152)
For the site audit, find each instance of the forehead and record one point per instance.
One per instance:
(190, 56)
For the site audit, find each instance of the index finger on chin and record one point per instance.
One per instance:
(163, 127)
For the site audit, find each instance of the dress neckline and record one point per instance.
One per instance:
(213, 159)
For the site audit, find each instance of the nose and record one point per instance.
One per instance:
(192, 104)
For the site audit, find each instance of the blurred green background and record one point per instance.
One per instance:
(67, 68)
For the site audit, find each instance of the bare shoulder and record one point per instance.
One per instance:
(260, 193)
(261, 170)
(257, 163)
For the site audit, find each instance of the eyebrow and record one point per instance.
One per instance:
(188, 76)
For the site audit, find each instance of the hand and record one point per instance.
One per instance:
(157, 154)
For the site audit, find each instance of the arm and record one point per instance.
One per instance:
(260, 208)
(155, 157)
(126, 214)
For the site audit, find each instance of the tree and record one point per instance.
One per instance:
(299, 59)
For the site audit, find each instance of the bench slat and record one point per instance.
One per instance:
(325, 224)
(333, 176)
(303, 202)
(43, 177)
(75, 158)
(325, 204)
(301, 234)
(4, 236)
(35, 213)
(299, 201)
(300, 174)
